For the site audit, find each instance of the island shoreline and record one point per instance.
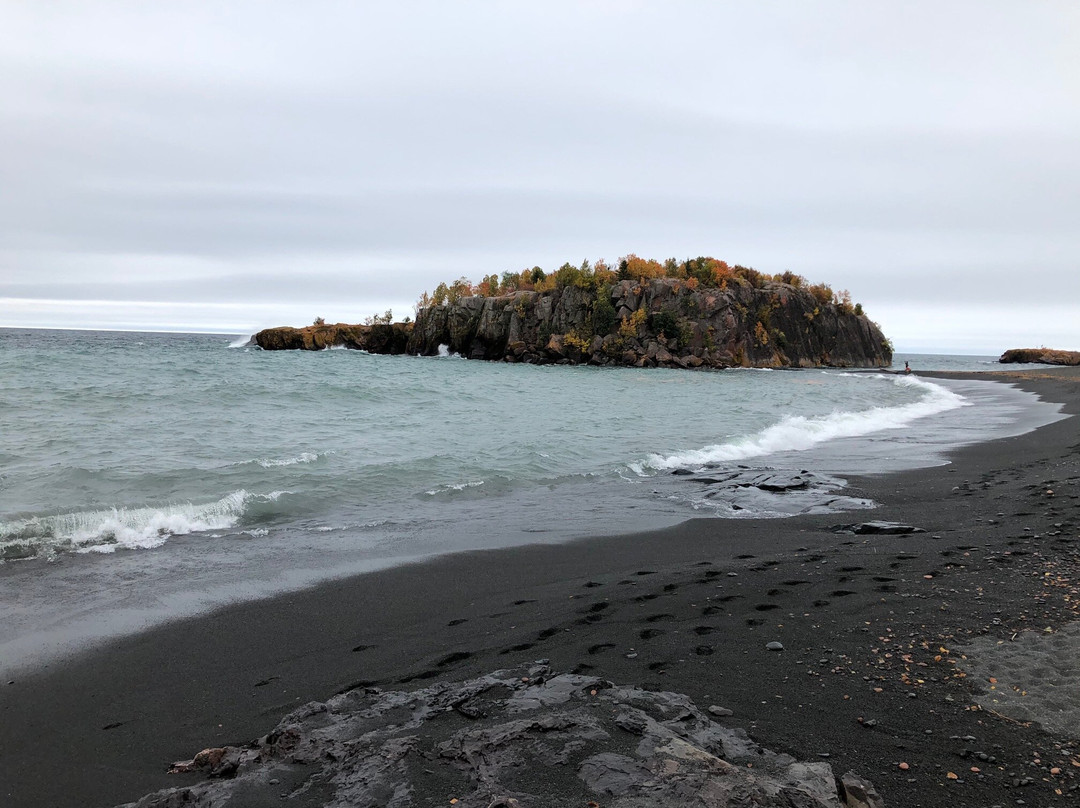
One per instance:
(101, 728)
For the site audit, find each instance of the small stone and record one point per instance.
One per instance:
(632, 655)
(904, 767)
(775, 646)
(860, 793)
(720, 711)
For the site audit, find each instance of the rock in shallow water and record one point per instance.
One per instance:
(543, 739)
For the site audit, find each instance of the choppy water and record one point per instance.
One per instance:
(148, 475)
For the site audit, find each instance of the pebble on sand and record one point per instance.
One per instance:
(775, 646)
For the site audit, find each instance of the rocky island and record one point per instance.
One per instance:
(700, 313)
(1042, 356)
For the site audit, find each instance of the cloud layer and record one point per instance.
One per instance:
(335, 159)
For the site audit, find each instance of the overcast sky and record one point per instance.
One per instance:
(232, 165)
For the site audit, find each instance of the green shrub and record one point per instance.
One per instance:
(603, 314)
(663, 322)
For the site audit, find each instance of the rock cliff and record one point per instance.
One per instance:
(1043, 356)
(660, 322)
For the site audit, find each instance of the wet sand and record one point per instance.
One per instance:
(875, 630)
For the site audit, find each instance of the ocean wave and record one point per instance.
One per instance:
(799, 433)
(374, 523)
(104, 531)
(243, 342)
(303, 457)
(449, 487)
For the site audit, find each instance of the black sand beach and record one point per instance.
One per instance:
(875, 629)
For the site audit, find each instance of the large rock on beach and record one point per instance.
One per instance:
(523, 738)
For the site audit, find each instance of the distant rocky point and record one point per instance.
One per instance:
(753, 321)
(382, 338)
(1043, 356)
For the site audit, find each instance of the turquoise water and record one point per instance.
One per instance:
(149, 475)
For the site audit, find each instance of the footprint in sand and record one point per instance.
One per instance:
(456, 656)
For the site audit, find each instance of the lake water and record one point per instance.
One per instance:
(147, 476)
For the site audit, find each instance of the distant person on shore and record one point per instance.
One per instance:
(907, 368)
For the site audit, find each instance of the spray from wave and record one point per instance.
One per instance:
(105, 531)
(243, 342)
(798, 433)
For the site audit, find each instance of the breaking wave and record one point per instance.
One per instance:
(303, 457)
(451, 487)
(105, 531)
(798, 433)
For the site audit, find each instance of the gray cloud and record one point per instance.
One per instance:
(261, 153)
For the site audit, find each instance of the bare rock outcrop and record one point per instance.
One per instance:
(520, 739)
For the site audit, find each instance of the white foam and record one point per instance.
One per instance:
(454, 487)
(444, 352)
(242, 342)
(303, 457)
(799, 433)
(126, 528)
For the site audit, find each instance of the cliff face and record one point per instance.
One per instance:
(660, 322)
(385, 339)
(1045, 356)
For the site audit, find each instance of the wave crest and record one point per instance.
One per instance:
(303, 457)
(104, 531)
(799, 433)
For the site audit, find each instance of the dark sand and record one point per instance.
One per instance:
(874, 628)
